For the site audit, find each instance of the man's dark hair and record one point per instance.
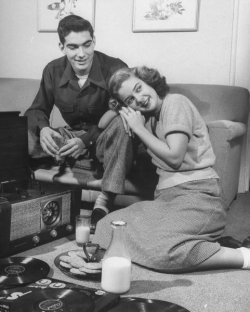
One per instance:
(73, 23)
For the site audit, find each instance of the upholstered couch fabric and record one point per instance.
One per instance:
(224, 108)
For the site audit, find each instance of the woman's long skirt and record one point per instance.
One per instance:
(176, 231)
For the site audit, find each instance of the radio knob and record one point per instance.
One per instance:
(36, 239)
(53, 233)
(69, 228)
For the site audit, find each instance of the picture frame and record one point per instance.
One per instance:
(165, 15)
(50, 12)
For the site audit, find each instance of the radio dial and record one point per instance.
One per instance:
(51, 212)
(69, 228)
(53, 233)
(36, 239)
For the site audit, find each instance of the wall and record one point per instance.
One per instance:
(218, 53)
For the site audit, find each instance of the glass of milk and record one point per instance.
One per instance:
(116, 263)
(82, 231)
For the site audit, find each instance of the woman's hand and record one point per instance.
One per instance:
(172, 151)
(126, 127)
(133, 118)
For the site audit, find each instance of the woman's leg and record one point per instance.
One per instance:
(228, 258)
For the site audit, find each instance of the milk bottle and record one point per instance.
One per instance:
(116, 264)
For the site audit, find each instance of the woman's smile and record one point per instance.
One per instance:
(139, 96)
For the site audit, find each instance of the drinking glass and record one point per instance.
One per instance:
(82, 231)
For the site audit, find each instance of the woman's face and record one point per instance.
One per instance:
(138, 95)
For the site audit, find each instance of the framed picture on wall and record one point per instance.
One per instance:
(165, 15)
(50, 12)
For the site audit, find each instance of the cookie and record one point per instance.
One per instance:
(65, 265)
(79, 253)
(89, 271)
(66, 259)
(93, 265)
(77, 272)
(76, 261)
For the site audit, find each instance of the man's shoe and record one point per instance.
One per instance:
(97, 215)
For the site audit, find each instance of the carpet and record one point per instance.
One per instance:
(208, 291)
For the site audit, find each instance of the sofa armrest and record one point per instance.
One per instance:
(227, 138)
(233, 129)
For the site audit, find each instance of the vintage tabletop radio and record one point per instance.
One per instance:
(30, 213)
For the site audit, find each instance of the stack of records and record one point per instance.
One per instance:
(25, 287)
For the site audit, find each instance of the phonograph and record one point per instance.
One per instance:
(30, 212)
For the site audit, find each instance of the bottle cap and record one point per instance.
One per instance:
(118, 223)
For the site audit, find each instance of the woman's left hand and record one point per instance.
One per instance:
(134, 118)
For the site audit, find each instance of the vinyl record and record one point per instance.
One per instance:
(16, 271)
(146, 305)
(59, 300)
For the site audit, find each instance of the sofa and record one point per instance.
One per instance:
(225, 110)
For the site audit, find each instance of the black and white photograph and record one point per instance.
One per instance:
(124, 155)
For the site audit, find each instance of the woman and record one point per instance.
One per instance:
(177, 231)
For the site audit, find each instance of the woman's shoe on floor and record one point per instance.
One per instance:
(246, 242)
(229, 241)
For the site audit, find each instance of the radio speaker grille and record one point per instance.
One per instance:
(26, 215)
(25, 218)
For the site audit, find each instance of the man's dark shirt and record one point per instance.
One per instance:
(81, 108)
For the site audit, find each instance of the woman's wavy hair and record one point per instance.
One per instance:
(150, 76)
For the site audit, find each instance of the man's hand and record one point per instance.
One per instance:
(74, 148)
(47, 141)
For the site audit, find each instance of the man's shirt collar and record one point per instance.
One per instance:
(95, 75)
(68, 74)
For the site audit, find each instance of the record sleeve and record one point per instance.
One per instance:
(40, 300)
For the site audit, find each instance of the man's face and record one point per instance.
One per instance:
(79, 48)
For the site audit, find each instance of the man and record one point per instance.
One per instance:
(77, 84)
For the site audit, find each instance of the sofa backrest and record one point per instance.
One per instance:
(214, 102)
(217, 102)
(17, 94)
